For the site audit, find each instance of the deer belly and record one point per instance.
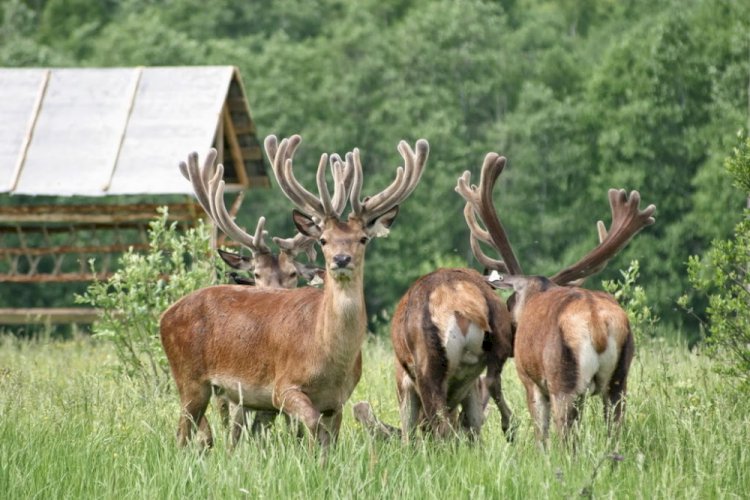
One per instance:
(252, 396)
(595, 369)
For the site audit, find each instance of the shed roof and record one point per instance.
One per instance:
(116, 131)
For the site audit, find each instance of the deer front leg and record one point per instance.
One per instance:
(297, 405)
(332, 421)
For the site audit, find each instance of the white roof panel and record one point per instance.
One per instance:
(22, 87)
(102, 131)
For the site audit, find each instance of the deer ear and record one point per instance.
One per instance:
(236, 261)
(381, 225)
(306, 225)
(507, 281)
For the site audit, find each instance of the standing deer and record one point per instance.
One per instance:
(294, 351)
(268, 270)
(447, 329)
(568, 340)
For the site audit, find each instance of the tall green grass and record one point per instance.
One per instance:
(70, 429)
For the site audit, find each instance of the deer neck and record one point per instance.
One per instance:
(342, 323)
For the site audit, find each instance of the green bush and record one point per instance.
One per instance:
(722, 274)
(133, 299)
(632, 297)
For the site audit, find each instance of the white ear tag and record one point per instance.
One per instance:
(494, 276)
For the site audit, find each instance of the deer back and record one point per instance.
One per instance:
(560, 330)
(424, 317)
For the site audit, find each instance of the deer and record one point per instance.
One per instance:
(294, 351)
(448, 328)
(568, 341)
(266, 268)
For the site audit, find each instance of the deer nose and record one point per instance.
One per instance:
(342, 260)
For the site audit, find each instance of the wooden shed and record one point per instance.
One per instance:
(87, 154)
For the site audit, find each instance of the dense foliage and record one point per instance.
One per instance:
(723, 275)
(580, 96)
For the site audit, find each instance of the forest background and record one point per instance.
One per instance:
(580, 96)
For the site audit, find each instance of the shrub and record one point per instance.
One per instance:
(132, 300)
(722, 274)
(632, 297)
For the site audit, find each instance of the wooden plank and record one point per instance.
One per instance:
(252, 153)
(234, 147)
(44, 315)
(103, 214)
(53, 278)
(87, 218)
(68, 249)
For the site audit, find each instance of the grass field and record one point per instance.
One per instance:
(69, 428)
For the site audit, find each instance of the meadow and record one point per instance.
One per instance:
(71, 428)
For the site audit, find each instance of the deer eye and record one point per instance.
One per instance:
(293, 274)
(364, 240)
(257, 276)
(322, 242)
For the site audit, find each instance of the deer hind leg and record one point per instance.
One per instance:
(263, 421)
(493, 385)
(194, 398)
(409, 405)
(472, 414)
(432, 395)
(239, 423)
(222, 405)
(565, 410)
(614, 393)
(539, 408)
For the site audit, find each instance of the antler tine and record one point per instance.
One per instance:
(480, 199)
(203, 186)
(407, 178)
(260, 244)
(296, 245)
(627, 221)
(601, 230)
(197, 177)
(477, 234)
(221, 217)
(320, 178)
(282, 169)
(357, 178)
(342, 178)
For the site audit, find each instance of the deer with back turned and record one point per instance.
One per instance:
(247, 342)
(569, 341)
(448, 328)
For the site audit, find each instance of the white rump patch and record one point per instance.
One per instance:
(595, 370)
(462, 349)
